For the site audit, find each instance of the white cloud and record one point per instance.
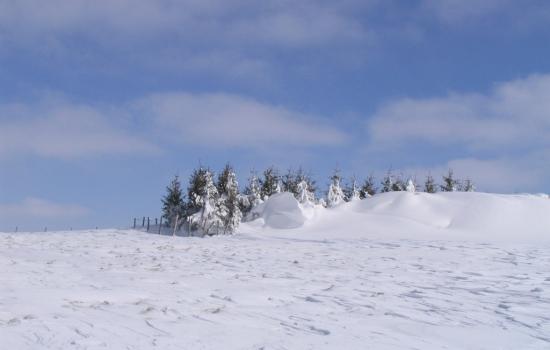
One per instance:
(277, 23)
(314, 27)
(500, 139)
(513, 16)
(36, 208)
(53, 128)
(238, 40)
(460, 10)
(224, 120)
(187, 34)
(501, 174)
(513, 115)
(61, 129)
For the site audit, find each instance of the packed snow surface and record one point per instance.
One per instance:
(397, 271)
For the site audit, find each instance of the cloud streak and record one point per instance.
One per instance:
(62, 129)
(185, 37)
(37, 208)
(514, 114)
(54, 128)
(453, 11)
(524, 16)
(279, 23)
(226, 120)
(190, 37)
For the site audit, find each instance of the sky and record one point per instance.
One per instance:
(103, 102)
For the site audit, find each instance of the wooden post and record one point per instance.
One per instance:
(134, 223)
(143, 222)
(156, 221)
(176, 224)
(160, 224)
(147, 224)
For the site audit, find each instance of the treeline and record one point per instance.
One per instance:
(216, 205)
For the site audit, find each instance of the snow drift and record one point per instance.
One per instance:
(280, 211)
(456, 215)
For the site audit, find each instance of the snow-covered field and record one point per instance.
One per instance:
(402, 271)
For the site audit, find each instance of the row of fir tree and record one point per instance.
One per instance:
(216, 205)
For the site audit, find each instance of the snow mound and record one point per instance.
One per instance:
(281, 211)
(456, 215)
(472, 212)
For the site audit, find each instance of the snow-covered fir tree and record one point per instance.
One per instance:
(252, 193)
(228, 189)
(195, 190)
(289, 182)
(305, 196)
(398, 184)
(224, 178)
(429, 185)
(244, 204)
(311, 185)
(208, 219)
(352, 191)
(368, 189)
(356, 194)
(279, 187)
(301, 175)
(335, 194)
(270, 184)
(468, 186)
(450, 184)
(411, 187)
(173, 205)
(387, 183)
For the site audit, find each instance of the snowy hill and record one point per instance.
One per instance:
(396, 271)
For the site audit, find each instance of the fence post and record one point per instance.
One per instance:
(147, 224)
(143, 222)
(176, 224)
(16, 228)
(134, 223)
(160, 224)
(156, 221)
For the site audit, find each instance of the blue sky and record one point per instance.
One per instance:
(101, 103)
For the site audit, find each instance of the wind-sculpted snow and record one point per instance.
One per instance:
(130, 290)
(280, 211)
(457, 215)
